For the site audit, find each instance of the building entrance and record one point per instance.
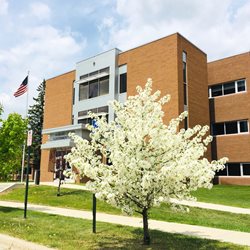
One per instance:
(60, 163)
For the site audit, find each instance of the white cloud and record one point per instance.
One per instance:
(45, 52)
(48, 37)
(40, 10)
(215, 27)
(3, 7)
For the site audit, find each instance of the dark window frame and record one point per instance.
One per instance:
(243, 169)
(91, 95)
(224, 86)
(123, 83)
(236, 128)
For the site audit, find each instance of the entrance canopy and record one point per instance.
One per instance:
(58, 137)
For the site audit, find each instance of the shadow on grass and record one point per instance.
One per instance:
(159, 240)
(70, 234)
(9, 209)
(65, 193)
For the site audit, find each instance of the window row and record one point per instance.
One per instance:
(90, 121)
(227, 128)
(227, 88)
(94, 88)
(235, 169)
(104, 109)
(95, 73)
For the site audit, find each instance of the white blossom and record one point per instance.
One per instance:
(149, 161)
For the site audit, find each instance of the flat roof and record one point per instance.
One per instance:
(65, 73)
(98, 55)
(121, 52)
(228, 57)
(161, 38)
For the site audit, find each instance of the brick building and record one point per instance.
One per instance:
(213, 93)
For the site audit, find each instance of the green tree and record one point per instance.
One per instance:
(35, 117)
(12, 136)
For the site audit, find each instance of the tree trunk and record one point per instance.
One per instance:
(146, 239)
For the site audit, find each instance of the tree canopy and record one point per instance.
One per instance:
(35, 117)
(12, 136)
(148, 162)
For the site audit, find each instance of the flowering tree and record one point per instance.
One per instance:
(147, 162)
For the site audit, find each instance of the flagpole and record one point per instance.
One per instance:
(24, 143)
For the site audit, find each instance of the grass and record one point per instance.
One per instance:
(79, 199)
(229, 195)
(70, 233)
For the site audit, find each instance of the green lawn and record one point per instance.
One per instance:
(238, 196)
(70, 234)
(80, 199)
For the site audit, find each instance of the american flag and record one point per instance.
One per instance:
(22, 88)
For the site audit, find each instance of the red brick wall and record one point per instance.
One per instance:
(57, 112)
(232, 107)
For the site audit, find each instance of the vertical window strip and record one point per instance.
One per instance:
(185, 85)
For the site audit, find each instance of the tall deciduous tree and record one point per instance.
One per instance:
(148, 162)
(12, 136)
(35, 116)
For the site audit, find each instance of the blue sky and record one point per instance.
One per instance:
(48, 37)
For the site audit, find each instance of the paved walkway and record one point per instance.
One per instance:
(198, 231)
(11, 243)
(212, 206)
(4, 186)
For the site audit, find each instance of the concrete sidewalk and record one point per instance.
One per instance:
(204, 205)
(11, 243)
(236, 210)
(235, 237)
(5, 186)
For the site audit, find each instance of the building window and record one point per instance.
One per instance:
(235, 169)
(185, 93)
(185, 85)
(84, 118)
(73, 96)
(246, 168)
(83, 91)
(232, 127)
(184, 66)
(89, 120)
(123, 83)
(243, 126)
(186, 123)
(227, 88)
(216, 90)
(104, 86)
(94, 88)
(95, 74)
(83, 113)
(241, 85)
(218, 129)
(184, 71)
